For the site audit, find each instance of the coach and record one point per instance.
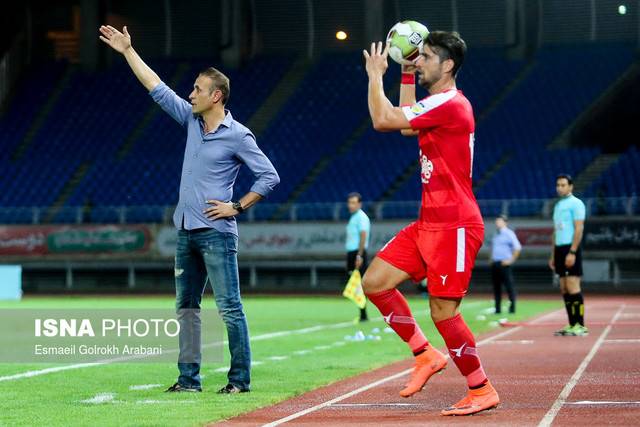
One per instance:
(505, 250)
(207, 245)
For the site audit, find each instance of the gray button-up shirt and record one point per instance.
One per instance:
(211, 163)
(504, 244)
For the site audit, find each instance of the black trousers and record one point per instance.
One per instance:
(500, 275)
(351, 265)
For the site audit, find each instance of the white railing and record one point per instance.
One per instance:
(540, 208)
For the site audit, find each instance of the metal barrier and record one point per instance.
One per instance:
(337, 211)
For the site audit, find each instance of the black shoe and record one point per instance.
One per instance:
(176, 388)
(231, 389)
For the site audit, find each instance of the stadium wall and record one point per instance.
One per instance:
(285, 257)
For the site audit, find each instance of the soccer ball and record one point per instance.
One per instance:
(405, 41)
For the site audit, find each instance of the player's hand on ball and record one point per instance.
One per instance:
(376, 60)
(219, 210)
(409, 69)
(114, 38)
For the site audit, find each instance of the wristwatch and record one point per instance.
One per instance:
(572, 252)
(237, 206)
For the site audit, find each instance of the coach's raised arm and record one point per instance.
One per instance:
(121, 42)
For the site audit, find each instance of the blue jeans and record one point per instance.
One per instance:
(209, 254)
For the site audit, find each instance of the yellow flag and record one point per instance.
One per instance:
(353, 289)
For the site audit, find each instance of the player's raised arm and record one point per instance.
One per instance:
(121, 42)
(384, 115)
(408, 93)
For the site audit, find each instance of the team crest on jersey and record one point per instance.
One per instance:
(418, 108)
(426, 168)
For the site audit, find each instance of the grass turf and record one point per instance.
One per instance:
(288, 365)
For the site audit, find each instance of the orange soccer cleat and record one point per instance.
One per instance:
(477, 400)
(430, 362)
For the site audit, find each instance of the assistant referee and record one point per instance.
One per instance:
(358, 234)
(566, 255)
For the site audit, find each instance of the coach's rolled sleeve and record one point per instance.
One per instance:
(171, 103)
(266, 175)
(515, 243)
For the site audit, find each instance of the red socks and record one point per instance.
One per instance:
(462, 349)
(397, 315)
(459, 339)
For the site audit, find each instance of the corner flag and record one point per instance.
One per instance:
(353, 289)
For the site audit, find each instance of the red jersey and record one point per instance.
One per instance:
(446, 125)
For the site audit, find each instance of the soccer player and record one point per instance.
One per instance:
(443, 243)
(505, 250)
(566, 253)
(358, 234)
(207, 244)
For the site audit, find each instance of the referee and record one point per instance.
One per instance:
(566, 255)
(358, 233)
(505, 250)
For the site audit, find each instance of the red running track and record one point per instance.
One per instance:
(542, 380)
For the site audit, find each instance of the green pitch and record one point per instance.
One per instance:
(288, 363)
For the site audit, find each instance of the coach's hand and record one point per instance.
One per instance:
(376, 61)
(114, 38)
(552, 264)
(219, 210)
(570, 260)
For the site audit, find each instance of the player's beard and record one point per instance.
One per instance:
(427, 83)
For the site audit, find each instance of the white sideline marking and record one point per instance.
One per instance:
(337, 399)
(100, 398)
(155, 402)
(566, 391)
(297, 353)
(278, 358)
(624, 341)
(366, 405)
(262, 337)
(144, 386)
(387, 379)
(29, 374)
(602, 402)
(513, 342)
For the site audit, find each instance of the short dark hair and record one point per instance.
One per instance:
(565, 176)
(504, 217)
(220, 82)
(448, 45)
(356, 195)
